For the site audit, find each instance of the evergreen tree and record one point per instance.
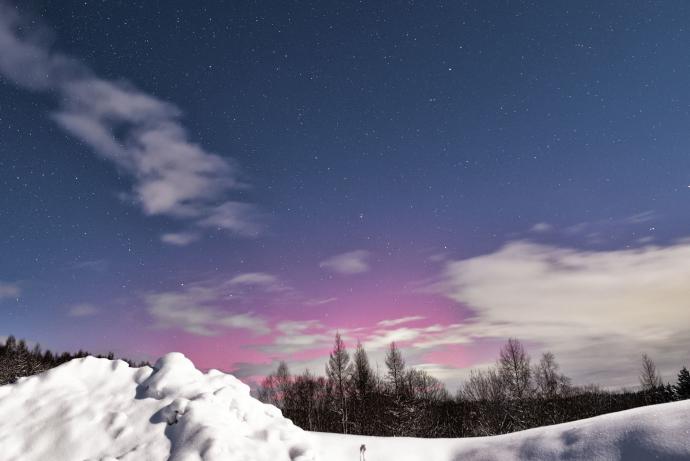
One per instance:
(396, 369)
(362, 376)
(682, 387)
(339, 372)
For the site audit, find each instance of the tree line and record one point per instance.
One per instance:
(18, 360)
(514, 394)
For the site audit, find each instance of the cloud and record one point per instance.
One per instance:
(383, 338)
(180, 238)
(296, 336)
(541, 228)
(352, 262)
(393, 322)
(320, 301)
(261, 280)
(9, 290)
(137, 132)
(96, 265)
(620, 303)
(83, 310)
(195, 311)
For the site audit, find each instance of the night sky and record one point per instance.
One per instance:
(239, 180)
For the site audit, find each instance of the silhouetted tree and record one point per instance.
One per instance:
(649, 377)
(339, 372)
(548, 382)
(682, 387)
(514, 369)
(363, 379)
(17, 360)
(396, 369)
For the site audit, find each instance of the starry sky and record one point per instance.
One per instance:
(239, 180)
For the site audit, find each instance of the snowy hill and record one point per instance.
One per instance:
(98, 409)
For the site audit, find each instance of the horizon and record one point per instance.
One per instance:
(239, 182)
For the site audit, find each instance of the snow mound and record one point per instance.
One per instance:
(103, 410)
(98, 409)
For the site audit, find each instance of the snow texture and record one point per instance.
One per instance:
(98, 409)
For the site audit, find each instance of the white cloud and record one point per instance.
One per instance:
(352, 262)
(195, 310)
(83, 310)
(393, 322)
(641, 218)
(137, 132)
(9, 290)
(180, 238)
(295, 336)
(541, 228)
(254, 278)
(240, 218)
(96, 265)
(320, 301)
(267, 282)
(576, 303)
(383, 338)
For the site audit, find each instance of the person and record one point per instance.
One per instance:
(362, 449)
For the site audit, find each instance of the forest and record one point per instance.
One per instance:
(352, 398)
(18, 360)
(514, 394)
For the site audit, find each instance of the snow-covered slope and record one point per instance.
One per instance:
(98, 409)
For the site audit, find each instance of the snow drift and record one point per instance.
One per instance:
(98, 409)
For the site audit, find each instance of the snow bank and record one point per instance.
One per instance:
(98, 409)
(658, 432)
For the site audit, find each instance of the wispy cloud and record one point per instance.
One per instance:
(196, 310)
(577, 302)
(541, 228)
(83, 310)
(268, 282)
(352, 262)
(320, 301)
(180, 238)
(96, 265)
(393, 322)
(208, 307)
(295, 336)
(9, 290)
(383, 338)
(137, 132)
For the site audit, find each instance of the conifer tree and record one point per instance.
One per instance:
(339, 372)
(682, 387)
(362, 376)
(396, 369)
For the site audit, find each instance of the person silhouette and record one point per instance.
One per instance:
(362, 449)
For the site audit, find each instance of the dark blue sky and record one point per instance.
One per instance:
(402, 138)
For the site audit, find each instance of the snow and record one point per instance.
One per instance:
(98, 409)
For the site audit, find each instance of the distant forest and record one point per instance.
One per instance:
(18, 360)
(513, 395)
(352, 398)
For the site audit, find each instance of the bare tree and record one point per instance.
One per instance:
(649, 377)
(419, 384)
(268, 393)
(283, 381)
(514, 368)
(483, 386)
(548, 382)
